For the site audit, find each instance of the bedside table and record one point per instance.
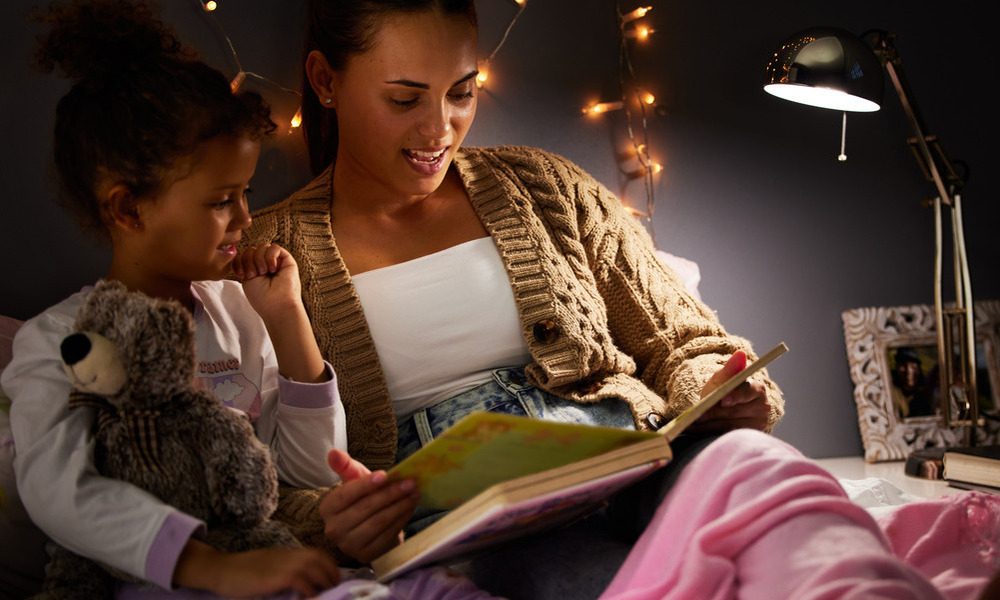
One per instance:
(855, 467)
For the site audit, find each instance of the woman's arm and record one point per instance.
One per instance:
(676, 341)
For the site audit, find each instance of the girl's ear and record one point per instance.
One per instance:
(121, 208)
(321, 77)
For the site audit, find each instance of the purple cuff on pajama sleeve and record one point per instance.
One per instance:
(309, 395)
(177, 529)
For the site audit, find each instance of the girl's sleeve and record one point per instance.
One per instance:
(307, 422)
(100, 518)
(300, 422)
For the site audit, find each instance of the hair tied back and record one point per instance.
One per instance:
(102, 38)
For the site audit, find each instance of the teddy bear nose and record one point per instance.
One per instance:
(74, 348)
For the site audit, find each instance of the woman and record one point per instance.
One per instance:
(442, 280)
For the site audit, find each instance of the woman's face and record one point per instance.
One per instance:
(404, 107)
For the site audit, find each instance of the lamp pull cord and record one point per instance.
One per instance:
(843, 139)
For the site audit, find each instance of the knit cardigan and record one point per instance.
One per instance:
(602, 316)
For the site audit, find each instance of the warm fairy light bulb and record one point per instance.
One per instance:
(521, 2)
(640, 33)
(656, 167)
(210, 5)
(636, 14)
(647, 97)
(483, 74)
(237, 81)
(602, 107)
(296, 119)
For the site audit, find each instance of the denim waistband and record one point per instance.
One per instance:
(507, 392)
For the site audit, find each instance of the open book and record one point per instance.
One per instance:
(503, 476)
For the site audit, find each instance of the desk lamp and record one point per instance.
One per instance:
(832, 68)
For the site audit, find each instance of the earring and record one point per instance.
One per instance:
(328, 100)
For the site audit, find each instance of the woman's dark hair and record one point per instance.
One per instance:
(341, 29)
(139, 102)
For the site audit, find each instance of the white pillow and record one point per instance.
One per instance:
(22, 553)
(686, 269)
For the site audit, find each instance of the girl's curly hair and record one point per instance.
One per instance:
(139, 103)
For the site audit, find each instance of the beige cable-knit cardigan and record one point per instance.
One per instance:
(601, 315)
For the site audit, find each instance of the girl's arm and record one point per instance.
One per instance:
(307, 571)
(271, 281)
(100, 518)
(302, 417)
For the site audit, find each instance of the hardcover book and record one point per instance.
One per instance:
(502, 476)
(976, 465)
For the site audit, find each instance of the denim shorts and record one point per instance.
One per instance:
(508, 392)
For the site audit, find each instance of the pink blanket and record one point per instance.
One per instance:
(751, 518)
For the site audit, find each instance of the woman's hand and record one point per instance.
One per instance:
(365, 515)
(746, 406)
(307, 571)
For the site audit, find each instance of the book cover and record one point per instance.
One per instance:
(976, 464)
(504, 476)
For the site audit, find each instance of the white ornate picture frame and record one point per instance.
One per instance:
(875, 337)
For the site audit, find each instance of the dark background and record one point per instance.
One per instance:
(786, 236)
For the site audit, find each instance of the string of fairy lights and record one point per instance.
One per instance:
(635, 101)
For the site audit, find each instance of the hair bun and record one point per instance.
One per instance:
(103, 37)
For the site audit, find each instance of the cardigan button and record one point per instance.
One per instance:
(655, 420)
(546, 331)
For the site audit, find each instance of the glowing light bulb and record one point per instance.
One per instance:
(237, 81)
(296, 119)
(647, 98)
(481, 77)
(602, 107)
(640, 33)
(636, 14)
(210, 5)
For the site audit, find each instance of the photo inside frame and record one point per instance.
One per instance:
(915, 381)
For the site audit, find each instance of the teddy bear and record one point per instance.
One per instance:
(131, 357)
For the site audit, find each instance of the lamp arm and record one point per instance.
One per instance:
(959, 319)
(886, 51)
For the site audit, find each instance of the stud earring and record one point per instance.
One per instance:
(328, 100)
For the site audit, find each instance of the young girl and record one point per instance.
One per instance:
(155, 153)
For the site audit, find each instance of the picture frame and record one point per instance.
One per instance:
(899, 409)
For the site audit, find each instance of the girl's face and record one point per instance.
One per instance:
(404, 107)
(189, 233)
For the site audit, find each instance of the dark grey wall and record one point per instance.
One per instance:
(786, 237)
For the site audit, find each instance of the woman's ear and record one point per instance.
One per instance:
(321, 77)
(121, 208)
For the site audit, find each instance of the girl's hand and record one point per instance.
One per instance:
(746, 406)
(271, 283)
(270, 279)
(365, 515)
(307, 571)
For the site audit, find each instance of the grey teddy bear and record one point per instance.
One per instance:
(132, 358)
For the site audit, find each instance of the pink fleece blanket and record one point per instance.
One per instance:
(751, 518)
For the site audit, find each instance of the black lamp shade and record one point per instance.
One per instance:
(826, 67)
